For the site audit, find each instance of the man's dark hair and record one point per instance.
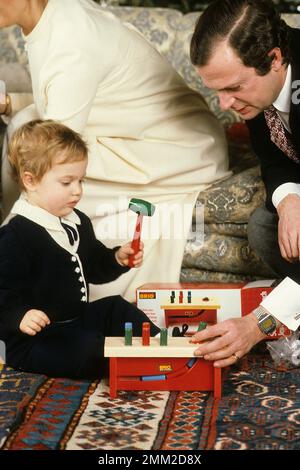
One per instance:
(252, 27)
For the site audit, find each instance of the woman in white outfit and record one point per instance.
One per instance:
(149, 135)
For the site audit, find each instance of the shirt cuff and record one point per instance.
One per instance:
(284, 303)
(283, 190)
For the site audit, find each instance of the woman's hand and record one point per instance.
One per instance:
(228, 341)
(33, 322)
(122, 255)
(5, 103)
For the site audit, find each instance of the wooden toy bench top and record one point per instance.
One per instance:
(177, 347)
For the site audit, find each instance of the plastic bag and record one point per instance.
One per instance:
(286, 351)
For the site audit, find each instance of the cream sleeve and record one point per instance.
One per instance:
(69, 83)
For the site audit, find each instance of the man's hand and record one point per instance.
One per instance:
(122, 255)
(33, 322)
(289, 228)
(228, 340)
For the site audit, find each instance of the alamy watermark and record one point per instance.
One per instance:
(170, 221)
(296, 92)
(2, 352)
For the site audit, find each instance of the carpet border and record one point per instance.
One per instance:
(77, 415)
(27, 412)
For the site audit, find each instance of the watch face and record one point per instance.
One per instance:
(268, 325)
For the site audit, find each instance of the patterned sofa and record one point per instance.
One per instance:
(225, 255)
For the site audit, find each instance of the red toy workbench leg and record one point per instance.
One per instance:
(113, 377)
(217, 382)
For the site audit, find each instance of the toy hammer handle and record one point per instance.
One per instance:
(135, 244)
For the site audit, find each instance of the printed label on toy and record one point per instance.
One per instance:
(147, 295)
(165, 368)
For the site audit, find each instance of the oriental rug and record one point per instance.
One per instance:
(259, 410)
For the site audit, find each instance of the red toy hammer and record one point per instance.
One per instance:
(141, 208)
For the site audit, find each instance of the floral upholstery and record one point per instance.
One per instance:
(13, 61)
(224, 255)
(158, 25)
(233, 200)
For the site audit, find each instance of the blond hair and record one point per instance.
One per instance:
(34, 146)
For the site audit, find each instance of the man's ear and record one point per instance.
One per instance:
(29, 181)
(277, 58)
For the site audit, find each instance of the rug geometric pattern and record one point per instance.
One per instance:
(16, 391)
(259, 410)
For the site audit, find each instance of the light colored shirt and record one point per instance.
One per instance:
(283, 101)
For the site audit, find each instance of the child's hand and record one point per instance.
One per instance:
(122, 255)
(33, 322)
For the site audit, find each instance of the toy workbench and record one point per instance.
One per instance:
(155, 367)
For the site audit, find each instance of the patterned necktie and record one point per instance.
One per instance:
(278, 135)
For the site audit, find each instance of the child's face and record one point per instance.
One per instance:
(60, 189)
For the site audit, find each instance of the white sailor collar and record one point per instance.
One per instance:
(41, 216)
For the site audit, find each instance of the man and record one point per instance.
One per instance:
(244, 51)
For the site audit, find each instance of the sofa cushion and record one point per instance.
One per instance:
(228, 229)
(12, 46)
(233, 200)
(200, 275)
(16, 77)
(13, 61)
(224, 254)
(158, 25)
